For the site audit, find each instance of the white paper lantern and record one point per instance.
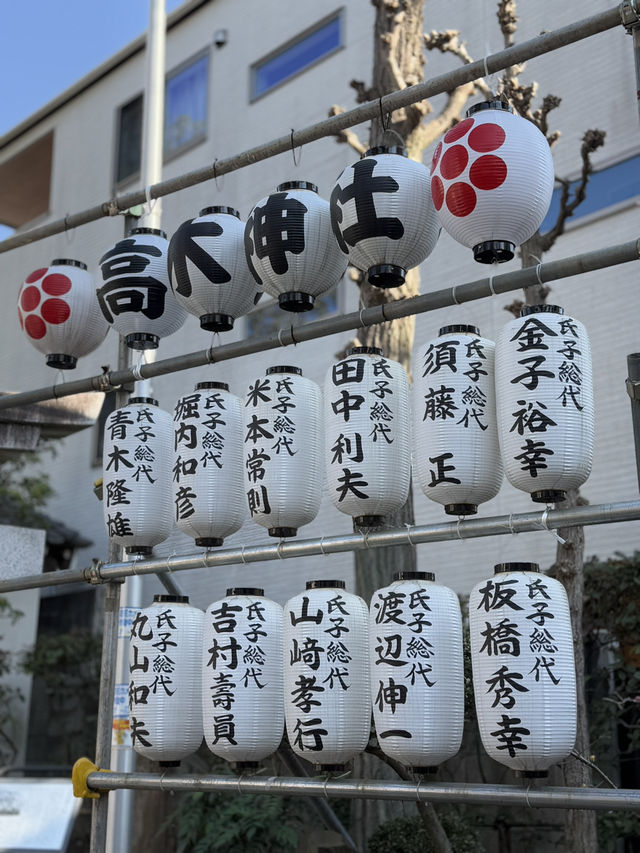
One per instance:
(283, 450)
(544, 390)
(456, 452)
(383, 216)
(136, 297)
(417, 677)
(326, 665)
(367, 435)
(59, 313)
(290, 247)
(136, 466)
(208, 270)
(492, 180)
(208, 492)
(165, 692)
(523, 668)
(243, 677)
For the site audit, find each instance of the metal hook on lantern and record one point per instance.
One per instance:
(219, 187)
(544, 521)
(409, 528)
(151, 202)
(385, 122)
(293, 151)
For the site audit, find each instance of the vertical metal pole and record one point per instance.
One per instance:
(153, 120)
(633, 389)
(635, 32)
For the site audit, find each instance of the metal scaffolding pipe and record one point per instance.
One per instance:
(609, 256)
(361, 789)
(633, 389)
(537, 46)
(469, 528)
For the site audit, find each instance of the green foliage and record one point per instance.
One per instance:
(24, 490)
(408, 835)
(11, 698)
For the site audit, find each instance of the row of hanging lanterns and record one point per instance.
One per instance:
(321, 666)
(490, 187)
(220, 457)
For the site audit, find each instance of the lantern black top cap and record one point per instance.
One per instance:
(386, 149)
(365, 351)
(147, 401)
(245, 590)
(296, 185)
(516, 567)
(219, 208)
(283, 368)
(68, 262)
(414, 576)
(489, 105)
(325, 584)
(171, 599)
(459, 329)
(540, 309)
(157, 231)
(201, 386)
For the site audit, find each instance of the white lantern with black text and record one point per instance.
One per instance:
(456, 452)
(416, 665)
(492, 180)
(544, 390)
(208, 271)
(136, 465)
(283, 450)
(367, 435)
(243, 677)
(523, 668)
(136, 297)
(383, 216)
(59, 313)
(290, 247)
(208, 489)
(165, 704)
(326, 665)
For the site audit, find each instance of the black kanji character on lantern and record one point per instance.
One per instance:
(303, 694)
(439, 404)
(137, 732)
(256, 430)
(531, 335)
(182, 467)
(473, 396)
(389, 651)
(161, 681)
(118, 525)
(338, 604)
(118, 458)
(138, 695)
(474, 415)
(214, 399)
(538, 587)
(569, 373)
(142, 665)
(530, 417)
(347, 371)
(497, 594)
(223, 618)
(145, 414)
(284, 443)
(346, 404)
(346, 446)
(224, 727)
(144, 433)
(255, 464)
(309, 653)
(164, 642)
(258, 501)
(418, 622)
(475, 348)
(144, 454)
(222, 691)
(273, 229)
(187, 408)
(351, 482)
(184, 502)
(389, 607)
(510, 734)
(254, 654)
(368, 224)
(568, 326)
(533, 456)
(143, 471)
(419, 598)
(184, 246)
(420, 670)
(135, 295)
(284, 424)
(124, 258)
(570, 350)
(532, 375)
(338, 627)
(540, 640)
(303, 731)
(228, 655)
(541, 614)
(439, 355)
(440, 474)
(570, 393)
(546, 665)
(210, 456)
(381, 368)
(117, 492)
(475, 371)
(163, 663)
(380, 412)
(305, 616)
(255, 610)
(419, 647)
(336, 674)
(186, 434)
(501, 639)
(338, 652)
(212, 440)
(284, 404)
(255, 631)
(258, 392)
(503, 683)
(118, 423)
(251, 673)
(383, 430)
(213, 421)
(381, 389)
(391, 695)
(166, 617)
(284, 384)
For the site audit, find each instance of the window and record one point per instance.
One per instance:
(297, 55)
(268, 319)
(129, 142)
(185, 107)
(606, 187)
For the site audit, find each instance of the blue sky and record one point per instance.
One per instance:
(45, 46)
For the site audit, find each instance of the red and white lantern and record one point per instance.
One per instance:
(136, 466)
(208, 492)
(456, 452)
(165, 691)
(326, 681)
(383, 216)
(544, 390)
(524, 676)
(290, 247)
(491, 180)
(243, 677)
(136, 297)
(59, 313)
(208, 270)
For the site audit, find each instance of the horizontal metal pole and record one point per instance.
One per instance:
(362, 789)
(537, 46)
(480, 288)
(469, 528)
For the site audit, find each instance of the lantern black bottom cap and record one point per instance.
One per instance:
(461, 509)
(386, 275)
(548, 496)
(169, 763)
(142, 550)
(369, 520)
(209, 542)
(330, 768)
(241, 766)
(216, 322)
(283, 532)
(533, 774)
(61, 361)
(142, 340)
(296, 301)
(494, 250)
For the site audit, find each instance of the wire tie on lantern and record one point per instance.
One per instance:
(280, 331)
(162, 775)
(324, 787)
(293, 337)
(409, 529)
(151, 202)
(242, 557)
(362, 322)
(544, 521)
(511, 528)
(219, 187)
(280, 544)
(453, 294)
(526, 795)
(538, 276)
(322, 551)
(418, 789)
(458, 523)
(239, 779)
(168, 563)
(386, 122)
(135, 370)
(293, 151)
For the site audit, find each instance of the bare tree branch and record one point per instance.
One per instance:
(426, 133)
(348, 135)
(448, 41)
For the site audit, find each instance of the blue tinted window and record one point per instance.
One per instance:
(606, 187)
(296, 57)
(185, 110)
